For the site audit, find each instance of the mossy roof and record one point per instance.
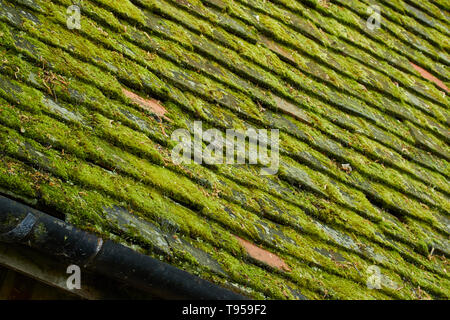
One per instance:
(86, 118)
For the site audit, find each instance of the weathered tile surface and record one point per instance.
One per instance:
(86, 118)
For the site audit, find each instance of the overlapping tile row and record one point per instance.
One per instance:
(159, 21)
(428, 8)
(204, 67)
(66, 90)
(416, 22)
(356, 20)
(256, 13)
(427, 14)
(318, 73)
(299, 124)
(309, 67)
(126, 191)
(444, 5)
(402, 34)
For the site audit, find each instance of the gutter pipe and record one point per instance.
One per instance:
(21, 224)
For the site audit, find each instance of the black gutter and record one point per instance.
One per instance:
(21, 224)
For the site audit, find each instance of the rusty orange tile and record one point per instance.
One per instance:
(424, 73)
(151, 105)
(263, 255)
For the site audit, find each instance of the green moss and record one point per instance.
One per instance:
(105, 150)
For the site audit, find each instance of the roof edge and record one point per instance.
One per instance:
(21, 224)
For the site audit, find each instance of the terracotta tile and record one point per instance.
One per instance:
(151, 105)
(424, 73)
(263, 255)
